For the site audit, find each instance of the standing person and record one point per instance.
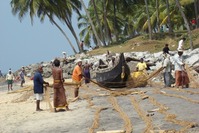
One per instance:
(10, 79)
(59, 91)
(64, 58)
(38, 87)
(77, 77)
(82, 46)
(181, 44)
(167, 70)
(166, 49)
(141, 66)
(1, 74)
(22, 76)
(86, 69)
(181, 77)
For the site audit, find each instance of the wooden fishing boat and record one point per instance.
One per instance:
(116, 76)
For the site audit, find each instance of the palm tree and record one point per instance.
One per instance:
(91, 22)
(149, 20)
(60, 9)
(157, 15)
(186, 23)
(196, 11)
(98, 22)
(169, 18)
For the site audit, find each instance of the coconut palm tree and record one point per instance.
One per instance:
(186, 23)
(60, 9)
(98, 22)
(149, 20)
(91, 22)
(169, 18)
(196, 2)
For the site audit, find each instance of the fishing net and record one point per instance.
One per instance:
(137, 79)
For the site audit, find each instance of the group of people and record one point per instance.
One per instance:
(181, 77)
(178, 61)
(59, 98)
(80, 71)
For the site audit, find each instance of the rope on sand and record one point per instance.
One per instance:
(171, 117)
(179, 96)
(95, 124)
(124, 116)
(143, 115)
(27, 88)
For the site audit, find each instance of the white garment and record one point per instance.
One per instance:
(38, 96)
(167, 64)
(178, 62)
(180, 44)
(10, 76)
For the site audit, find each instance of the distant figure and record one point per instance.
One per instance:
(90, 48)
(59, 91)
(108, 56)
(10, 79)
(181, 77)
(193, 23)
(77, 77)
(141, 66)
(22, 76)
(166, 49)
(64, 58)
(167, 70)
(161, 29)
(86, 70)
(1, 74)
(82, 46)
(181, 44)
(38, 87)
(64, 55)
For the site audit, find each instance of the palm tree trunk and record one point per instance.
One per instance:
(69, 25)
(91, 22)
(115, 21)
(62, 33)
(98, 21)
(169, 17)
(107, 30)
(196, 12)
(157, 15)
(186, 23)
(149, 20)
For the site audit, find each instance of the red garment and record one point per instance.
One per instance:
(59, 95)
(193, 21)
(181, 78)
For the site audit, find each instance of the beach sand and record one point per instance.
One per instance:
(147, 109)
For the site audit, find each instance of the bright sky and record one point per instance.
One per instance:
(23, 44)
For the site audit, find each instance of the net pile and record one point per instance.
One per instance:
(137, 79)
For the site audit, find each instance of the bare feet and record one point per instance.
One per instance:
(67, 109)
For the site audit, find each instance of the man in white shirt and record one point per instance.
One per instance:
(181, 77)
(167, 70)
(10, 79)
(181, 44)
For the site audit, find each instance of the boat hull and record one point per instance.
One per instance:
(116, 77)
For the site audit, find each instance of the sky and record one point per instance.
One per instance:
(22, 43)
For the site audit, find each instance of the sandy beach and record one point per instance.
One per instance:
(138, 110)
